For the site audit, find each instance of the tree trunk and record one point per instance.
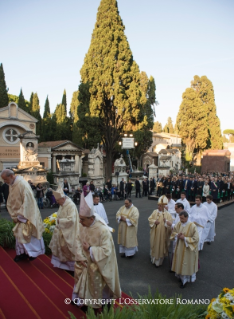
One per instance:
(109, 161)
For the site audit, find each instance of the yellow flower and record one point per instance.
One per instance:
(54, 215)
(228, 312)
(225, 301)
(226, 289)
(207, 316)
(53, 222)
(213, 300)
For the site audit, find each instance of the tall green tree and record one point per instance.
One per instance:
(191, 123)
(110, 95)
(3, 88)
(35, 111)
(169, 128)
(143, 134)
(157, 128)
(63, 128)
(74, 106)
(21, 102)
(205, 91)
(46, 108)
(64, 100)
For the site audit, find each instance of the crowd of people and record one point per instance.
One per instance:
(82, 242)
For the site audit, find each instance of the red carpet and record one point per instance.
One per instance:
(35, 289)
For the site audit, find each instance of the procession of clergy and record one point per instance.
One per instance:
(82, 242)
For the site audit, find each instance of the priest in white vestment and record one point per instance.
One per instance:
(127, 218)
(24, 212)
(99, 208)
(97, 278)
(200, 216)
(209, 231)
(185, 260)
(160, 222)
(65, 244)
(184, 201)
(170, 207)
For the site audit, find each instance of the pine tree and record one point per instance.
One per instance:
(191, 123)
(157, 128)
(168, 128)
(21, 102)
(64, 100)
(3, 89)
(46, 109)
(110, 95)
(204, 88)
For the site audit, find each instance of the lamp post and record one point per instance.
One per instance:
(128, 142)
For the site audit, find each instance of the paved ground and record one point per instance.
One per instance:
(138, 274)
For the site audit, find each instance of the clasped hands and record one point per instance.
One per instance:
(180, 236)
(123, 218)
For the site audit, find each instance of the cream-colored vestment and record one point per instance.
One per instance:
(185, 260)
(65, 243)
(24, 211)
(101, 274)
(127, 231)
(159, 236)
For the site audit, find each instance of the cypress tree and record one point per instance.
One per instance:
(35, 111)
(3, 89)
(110, 95)
(157, 128)
(191, 123)
(204, 88)
(74, 106)
(21, 102)
(64, 100)
(168, 128)
(46, 109)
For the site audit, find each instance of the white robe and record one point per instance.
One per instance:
(171, 208)
(209, 231)
(100, 210)
(35, 248)
(185, 203)
(200, 216)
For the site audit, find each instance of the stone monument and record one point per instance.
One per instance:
(66, 171)
(119, 171)
(95, 167)
(29, 167)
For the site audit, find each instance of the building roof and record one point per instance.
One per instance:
(168, 150)
(55, 144)
(165, 158)
(153, 154)
(216, 152)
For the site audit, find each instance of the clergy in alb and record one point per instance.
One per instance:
(209, 231)
(160, 222)
(200, 216)
(65, 244)
(99, 208)
(127, 217)
(24, 212)
(185, 260)
(98, 277)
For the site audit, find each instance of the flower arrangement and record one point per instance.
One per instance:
(50, 223)
(222, 307)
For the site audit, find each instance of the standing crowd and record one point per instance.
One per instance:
(82, 242)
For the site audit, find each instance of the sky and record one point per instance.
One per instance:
(43, 45)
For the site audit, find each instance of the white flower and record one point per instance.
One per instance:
(225, 316)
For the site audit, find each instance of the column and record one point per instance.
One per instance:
(54, 164)
(77, 158)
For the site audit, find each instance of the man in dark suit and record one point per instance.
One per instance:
(193, 189)
(138, 187)
(186, 186)
(121, 188)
